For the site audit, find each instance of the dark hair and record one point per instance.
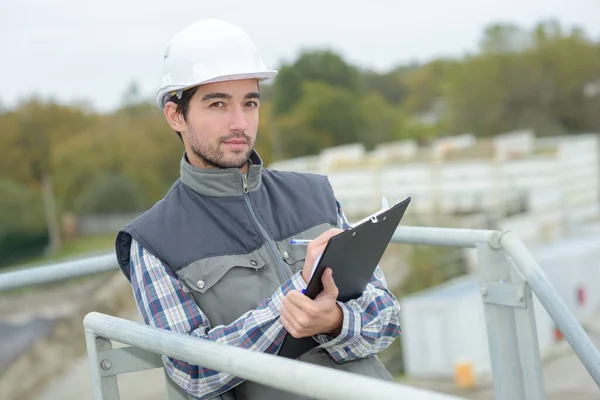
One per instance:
(183, 104)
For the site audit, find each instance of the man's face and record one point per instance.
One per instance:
(221, 125)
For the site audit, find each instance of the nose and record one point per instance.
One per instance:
(238, 120)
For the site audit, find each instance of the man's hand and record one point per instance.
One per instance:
(304, 317)
(315, 249)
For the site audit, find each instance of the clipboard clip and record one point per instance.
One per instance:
(374, 217)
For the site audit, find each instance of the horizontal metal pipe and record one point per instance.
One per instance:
(434, 236)
(279, 372)
(57, 272)
(553, 303)
(93, 265)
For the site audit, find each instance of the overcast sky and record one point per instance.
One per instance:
(92, 50)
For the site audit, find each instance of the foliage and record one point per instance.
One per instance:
(22, 230)
(431, 266)
(546, 78)
(317, 66)
(109, 194)
(20, 209)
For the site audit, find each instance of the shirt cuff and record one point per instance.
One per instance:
(351, 329)
(296, 282)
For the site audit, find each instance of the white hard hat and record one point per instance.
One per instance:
(206, 51)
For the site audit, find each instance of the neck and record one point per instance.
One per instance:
(221, 182)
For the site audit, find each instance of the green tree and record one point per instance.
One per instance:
(267, 139)
(504, 38)
(323, 66)
(391, 85)
(41, 127)
(135, 142)
(541, 87)
(110, 194)
(425, 85)
(22, 228)
(21, 209)
(383, 122)
(325, 116)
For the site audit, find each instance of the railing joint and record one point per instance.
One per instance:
(495, 239)
(504, 294)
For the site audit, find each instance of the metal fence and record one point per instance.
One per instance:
(274, 371)
(508, 274)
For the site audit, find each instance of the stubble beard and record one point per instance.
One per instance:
(212, 154)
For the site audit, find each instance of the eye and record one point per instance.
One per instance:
(252, 104)
(218, 104)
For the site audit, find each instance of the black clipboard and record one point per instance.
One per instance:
(353, 256)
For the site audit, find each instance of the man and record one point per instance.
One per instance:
(212, 259)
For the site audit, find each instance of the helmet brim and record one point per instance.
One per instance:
(164, 94)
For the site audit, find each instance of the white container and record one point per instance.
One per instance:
(573, 267)
(445, 325)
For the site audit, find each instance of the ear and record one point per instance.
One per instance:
(174, 118)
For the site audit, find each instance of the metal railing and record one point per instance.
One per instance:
(508, 274)
(57, 272)
(274, 371)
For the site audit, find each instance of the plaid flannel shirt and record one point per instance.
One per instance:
(370, 323)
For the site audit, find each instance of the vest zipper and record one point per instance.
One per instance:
(245, 182)
(262, 229)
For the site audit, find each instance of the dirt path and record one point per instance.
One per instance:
(50, 355)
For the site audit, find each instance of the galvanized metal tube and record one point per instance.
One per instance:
(279, 372)
(57, 272)
(93, 265)
(450, 237)
(503, 343)
(552, 302)
(94, 365)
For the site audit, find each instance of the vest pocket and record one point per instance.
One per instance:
(201, 276)
(227, 286)
(292, 255)
(295, 255)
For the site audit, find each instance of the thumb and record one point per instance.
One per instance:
(329, 287)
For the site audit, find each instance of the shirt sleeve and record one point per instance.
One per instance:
(165, 303)
(371, 322)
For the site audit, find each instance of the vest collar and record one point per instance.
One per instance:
(221, 182)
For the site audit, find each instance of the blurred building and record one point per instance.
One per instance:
(545, 189)
(541, 188)
(444, 326)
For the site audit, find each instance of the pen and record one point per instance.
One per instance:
(300, 241)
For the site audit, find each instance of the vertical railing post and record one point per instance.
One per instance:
(511, 329)
(569, 326)
(107, 387)
(527, 337)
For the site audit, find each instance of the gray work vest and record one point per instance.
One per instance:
(226, 236)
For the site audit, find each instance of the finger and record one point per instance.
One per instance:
(302, 318)
(300, 301)
(289, 322)
(287, 325)
(314, 250)
(323, 238)
(302, 308)
(329, 285)
(289, 328)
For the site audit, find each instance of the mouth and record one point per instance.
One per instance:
(236, 145)
(235, 141)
